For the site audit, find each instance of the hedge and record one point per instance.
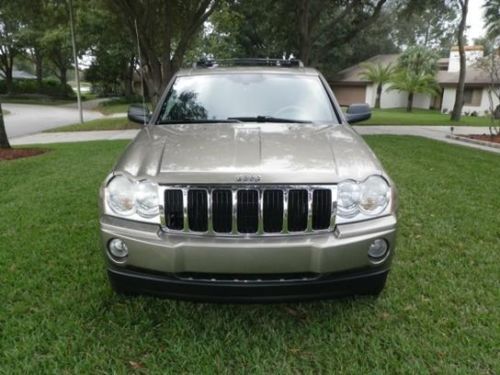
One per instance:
(49, 87)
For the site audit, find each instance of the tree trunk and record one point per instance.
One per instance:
(8, 80)
(379, 95)
(409, 106)
(304, 31)
(459, 95)
(39, 69)
(128, 78)
(4, 141)
(63, 76)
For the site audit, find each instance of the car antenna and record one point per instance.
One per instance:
(141, 72)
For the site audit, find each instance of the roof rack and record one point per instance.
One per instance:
(287, 63)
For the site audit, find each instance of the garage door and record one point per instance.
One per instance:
(347, 95)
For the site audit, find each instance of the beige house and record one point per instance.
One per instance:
(350, 88)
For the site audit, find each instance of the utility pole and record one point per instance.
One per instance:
(75, 59)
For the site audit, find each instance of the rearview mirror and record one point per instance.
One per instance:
(139, 113)
(358, 112)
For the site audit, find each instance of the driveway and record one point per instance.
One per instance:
(25, 119)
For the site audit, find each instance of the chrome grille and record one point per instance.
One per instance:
(249, 210)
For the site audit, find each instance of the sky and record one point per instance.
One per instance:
(475, 21)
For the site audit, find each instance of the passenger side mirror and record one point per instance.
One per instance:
(139, 113)
(358, 112)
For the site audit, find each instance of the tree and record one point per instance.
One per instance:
(10, 46)
(429, 23)
(33, 15)
(492, 17)
(414, 83)
(415, 73)
(491, 65)
(111, 72)
(459, 96)
(418, 59)
(379, 74)
(166, 30)
(56, 40)
(4, 141)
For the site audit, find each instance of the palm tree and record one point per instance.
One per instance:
(492, 17)
(378, 74)
(414, 83)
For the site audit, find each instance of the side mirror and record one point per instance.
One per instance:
(139, 113)
(358, 112)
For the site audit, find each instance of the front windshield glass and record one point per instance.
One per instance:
(246, 97)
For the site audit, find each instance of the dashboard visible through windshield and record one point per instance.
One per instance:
(247, 97)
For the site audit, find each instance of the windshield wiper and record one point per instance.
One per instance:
(268, 119)
(196, 121)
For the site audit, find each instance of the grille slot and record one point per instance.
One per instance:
(222, 211)
(297, 210)
(198, 210)
(248, 211)
(321, 209)
(174, 217)
(273, 211)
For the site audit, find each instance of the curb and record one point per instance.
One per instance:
(474, 141)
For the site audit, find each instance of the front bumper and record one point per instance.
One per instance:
(325, 286)
(161, 257)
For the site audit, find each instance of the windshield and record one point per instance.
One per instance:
(247, 97)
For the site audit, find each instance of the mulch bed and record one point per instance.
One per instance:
(17, 153)
(485, 137)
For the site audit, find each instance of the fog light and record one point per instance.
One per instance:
(378, 249)
(118, 248)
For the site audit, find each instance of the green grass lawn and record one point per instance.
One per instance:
(118, 105)
(399, 116)
(115, 123)
(438, 313)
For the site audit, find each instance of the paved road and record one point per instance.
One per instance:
(25, 119)
(433, 132)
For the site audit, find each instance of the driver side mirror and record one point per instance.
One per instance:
(358, 112)
(139, 113)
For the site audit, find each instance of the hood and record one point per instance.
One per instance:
(228, 153)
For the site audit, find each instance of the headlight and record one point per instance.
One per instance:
(121, 196)
(348, 198)
(147, 202)
(375, 194)
(358, 200)
(135, 200)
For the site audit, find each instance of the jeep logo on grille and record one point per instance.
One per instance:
(248, 178)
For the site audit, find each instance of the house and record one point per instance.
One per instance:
(349, 87)
(19, 74)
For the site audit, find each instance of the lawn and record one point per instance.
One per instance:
(114, 123)
(118, 105)
(438, 314)
(399, 116)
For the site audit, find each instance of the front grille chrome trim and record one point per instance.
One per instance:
(234, 222)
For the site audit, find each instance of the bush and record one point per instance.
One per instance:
(50, 88)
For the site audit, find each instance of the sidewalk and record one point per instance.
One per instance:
(438, 133)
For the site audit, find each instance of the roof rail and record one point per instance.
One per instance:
(208, 63)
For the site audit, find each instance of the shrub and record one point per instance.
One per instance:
(49, 87)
